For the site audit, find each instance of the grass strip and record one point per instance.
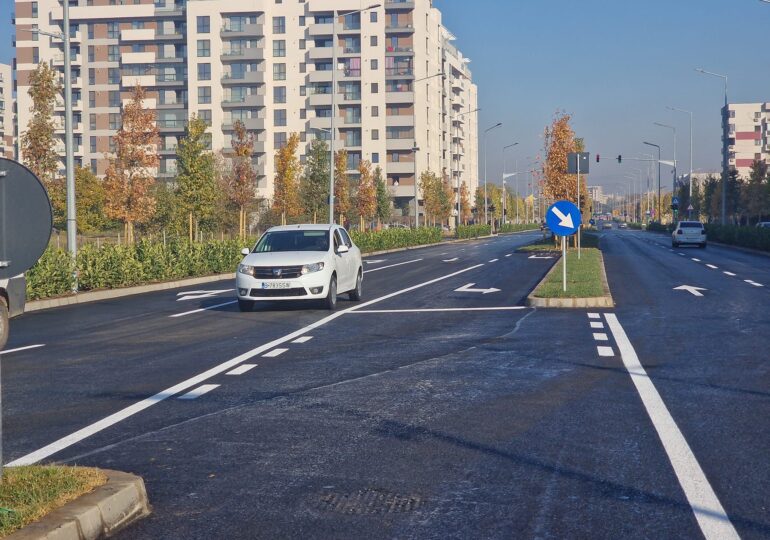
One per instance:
(584, 277)
(29, 493)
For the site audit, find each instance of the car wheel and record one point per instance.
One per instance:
(356, 294)
(245, 305)
(3, 324)
(674, 245)
(331, 297)
(703, 245)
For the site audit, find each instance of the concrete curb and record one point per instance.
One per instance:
(101, 513)
(605, 301)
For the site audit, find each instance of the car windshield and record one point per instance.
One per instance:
(691, 225)
(274, 241)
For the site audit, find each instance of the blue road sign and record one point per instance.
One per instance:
(675, 201)
(592, 222)
(563, 218)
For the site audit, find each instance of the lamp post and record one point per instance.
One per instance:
(660, 218)
(486, 205)
(689, 212)
(672, 128)
(456, 119)
(504, 177)
(724, 154)
(416, 149)
(334, 101)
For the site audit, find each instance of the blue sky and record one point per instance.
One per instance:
(613, 64)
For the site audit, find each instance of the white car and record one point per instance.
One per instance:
(300, 262)
(689, 232)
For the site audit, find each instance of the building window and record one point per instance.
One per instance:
(204, 48)
(34, 10)
(35, 55)
(92, 145)
(303, 91)
(375, 134)
(375, 111)
(113, 30)
(303, 114)
(113, 53)
(204, 24)
(279, 117)
(279, 140)
(373, 16)
(91, 77)
(114, 98)
(279, 48)
(302, 20)
(90, 30)
(373, 41)
(114, 122)
(204, 72)
(375, 65)
(279, 25)
(375, 157)
(375, 88)
(205, 115)
(91, 54)
(204, 94)
(113, 75)
(137, 25)
(279, 94)
(92, 99)
(92, 121)
(93, 166)
(35, 34)
(279, 72)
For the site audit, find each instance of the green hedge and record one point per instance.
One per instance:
(473, 231)
(748, 237)
(654, 226)
(514, 227)
(395, 238)
(112, 266)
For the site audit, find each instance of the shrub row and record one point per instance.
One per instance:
(473, 231)
(395, 238)
(654, 226)
(517, 227)
(748, 237)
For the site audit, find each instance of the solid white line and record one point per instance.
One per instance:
(240, 370)
(28, 347)
(390, 266)
(274, 353)
(601, 337)
(597, 325)
(202, 309)
(438, 310)
(494, 260)
(605, 351)
(303, 339)
(198, 392)
(594, 316)
(729, 274)
(713, 521)
(696, 260)
(713, 267)
(131, 410)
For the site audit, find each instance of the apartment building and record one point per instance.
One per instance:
(745, 136)
(401, 83)
(7, 134)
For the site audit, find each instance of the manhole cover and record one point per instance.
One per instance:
(369, 501)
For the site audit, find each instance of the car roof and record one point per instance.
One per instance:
(303, 227)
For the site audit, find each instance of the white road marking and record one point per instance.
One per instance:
(713, 267)
(198, 392)
(197, 295)
(509, 254)
(240, 370)
(750, 282)
(468, 287)
(682, 254)
(695, 291)
(202, 309)
(597, 325)
(696, 260)
(671, 250)
(451, 260)
(131, 410)
(19, 349)
(274, 353)
(601, 337)
(438, 310)
(376, 261)
(303, 339)
(714, 522)
(605, 351)
(391, 266)
(594, 316)
(729, 274)
(494, 260)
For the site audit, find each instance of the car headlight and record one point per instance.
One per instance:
(310, 268)
(246, 269)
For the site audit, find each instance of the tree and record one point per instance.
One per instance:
(314, 185)
(129, 178)
(241, 182)
(341, 187)
(286, 195)
(90, 197)
(465, 203)
(366, 195)
(430, 187)
(382, 195)
(755, 196)
(560, 140)
(196, 183)
(38, 143)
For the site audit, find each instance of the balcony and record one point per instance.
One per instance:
(351, 97)
(248, 53)
(320, 76)
(399, 73)
(323, 29)
(399, 97)
(172, 105)
(130, 81)
(406, 143)
(354, 50)
(400, 50)
(245, 30)
(404, 120)
(350, 74)
(137, 34)
(259, 148)
(250, 101)
(399, 4)
(400, 167)
(174, 125)
(351, 121)
(320, 100)
(173, 35)
(171, 79)
(319, 123)
(319, 53)
(251, 124)
(247, 77)
(138, 58)
(400, 28)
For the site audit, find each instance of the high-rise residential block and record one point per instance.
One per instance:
(745, 136)
(7, 134)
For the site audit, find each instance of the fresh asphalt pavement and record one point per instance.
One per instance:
(423, 411)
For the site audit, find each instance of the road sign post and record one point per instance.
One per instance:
(577, 162)
(564, 219)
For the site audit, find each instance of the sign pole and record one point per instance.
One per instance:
(578, 203)
(564, 262)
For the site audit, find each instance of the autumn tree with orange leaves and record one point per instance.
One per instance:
(286, 200)
(465, 203)
(341, 187)
(560, 140)
(129, 177)
(242, 178)
(366, 196)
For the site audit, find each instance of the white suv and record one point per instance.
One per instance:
(300, 262)
(689, 232)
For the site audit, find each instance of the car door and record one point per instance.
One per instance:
(342, 263)
(355, 252)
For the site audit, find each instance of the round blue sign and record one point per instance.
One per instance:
(563, 218)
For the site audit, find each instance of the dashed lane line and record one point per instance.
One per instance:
(240, 370)
(494, 260)
(754, 283)
(390, 266)
(597, 325)
(594, 316)
(274, 353)
(729, 274)
(198, 392)
(696, 260)
(605, 351)
(601, 337)
(712, 267)
(303, 339)
(437, 310)
(202, 309)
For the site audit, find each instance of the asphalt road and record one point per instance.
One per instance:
(423, 411)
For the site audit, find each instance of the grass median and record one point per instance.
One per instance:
(29, 493)
(584, 274)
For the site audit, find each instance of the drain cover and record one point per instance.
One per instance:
(369, 501)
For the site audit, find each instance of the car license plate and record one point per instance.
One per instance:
(277, 285)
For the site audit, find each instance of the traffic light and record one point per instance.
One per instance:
(597, 158)
(620, 159)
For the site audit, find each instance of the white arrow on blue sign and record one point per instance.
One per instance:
(563, 218)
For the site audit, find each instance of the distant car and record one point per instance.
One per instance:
(763, 225)
(606, 225)
(623, 225)
(300, 262)
(689, 232)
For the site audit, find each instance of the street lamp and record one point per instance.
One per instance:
(416, 149)
(504, 177)
(660, 218)
(724, 153)
(690, 181)
(672, 128)
(456, 119)
(486, 206)
(334, 101)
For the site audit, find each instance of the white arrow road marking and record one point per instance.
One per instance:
(196, 295)
(566, 221)
(377, 261)
(689, 288)
(538, 257)
(9, 351)
(390, 266)
(467, 288)
(451, 260)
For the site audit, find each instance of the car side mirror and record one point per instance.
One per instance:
(245, 251)
(343, 248)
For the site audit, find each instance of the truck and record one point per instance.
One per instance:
(12, 299)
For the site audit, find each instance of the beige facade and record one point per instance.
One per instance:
(7, 135)
(745, 136)
(269, 64)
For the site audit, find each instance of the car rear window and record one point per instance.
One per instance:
(691, 225)
(293, 241)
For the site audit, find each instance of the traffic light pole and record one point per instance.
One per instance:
(578, 205)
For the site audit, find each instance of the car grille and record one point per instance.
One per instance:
(277, 293)
(272, 272)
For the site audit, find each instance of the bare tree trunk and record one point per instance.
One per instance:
(190, 225)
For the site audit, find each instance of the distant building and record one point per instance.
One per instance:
(745, 136)
(597, 194)
(7, 135)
